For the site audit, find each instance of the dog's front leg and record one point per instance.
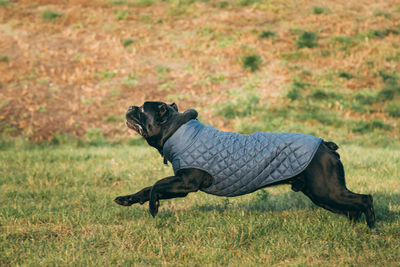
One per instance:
(140, 197)
(143, 196)
(176, 186)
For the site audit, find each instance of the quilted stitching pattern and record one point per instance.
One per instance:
(239, 164)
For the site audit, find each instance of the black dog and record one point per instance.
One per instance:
(323, 180)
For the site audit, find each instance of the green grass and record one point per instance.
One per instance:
(267, 34)
(317, 107)
(393, 109)
(105, 74)
(380, 33)
(368, 126)
(130, 80)
(295, 90)
(344, 42)
(5, 3)
(144, 2)
(383, 14)
(365, 98)
(4, 59)
(346, 75)
(222, 4)
(50, 15)
(307, 39)
(242, 107)
(114, 119)
(127, 42)
(57, 209)
(319, 94)
(320, 10)
(295, 56)
(247, 2)
(252, 62)
(121, 15)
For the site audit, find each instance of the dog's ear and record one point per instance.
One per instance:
(174, 106)
(162, 113)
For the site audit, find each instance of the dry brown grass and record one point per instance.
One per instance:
(54, 80)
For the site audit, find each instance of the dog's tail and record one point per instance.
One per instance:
(333, 147)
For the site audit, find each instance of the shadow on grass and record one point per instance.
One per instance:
(262, 201)
(387, 206)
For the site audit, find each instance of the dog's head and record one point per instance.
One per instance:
(157, 121)
(149, 119)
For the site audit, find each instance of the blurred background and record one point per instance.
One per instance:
(70, 69)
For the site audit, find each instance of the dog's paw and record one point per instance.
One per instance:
(126, 200)
(153, 207)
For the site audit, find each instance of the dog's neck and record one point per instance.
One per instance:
(174, 122)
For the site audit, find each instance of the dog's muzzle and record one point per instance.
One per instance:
(135, 126)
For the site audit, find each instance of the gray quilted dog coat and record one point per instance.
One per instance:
(239, 164)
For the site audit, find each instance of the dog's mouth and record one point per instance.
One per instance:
(134, 119)
(135, 126)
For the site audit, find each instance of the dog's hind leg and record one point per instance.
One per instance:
(344, 202)
(325, 186)
(298, 184)
(352, 215)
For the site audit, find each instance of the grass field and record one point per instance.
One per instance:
(57, 209)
